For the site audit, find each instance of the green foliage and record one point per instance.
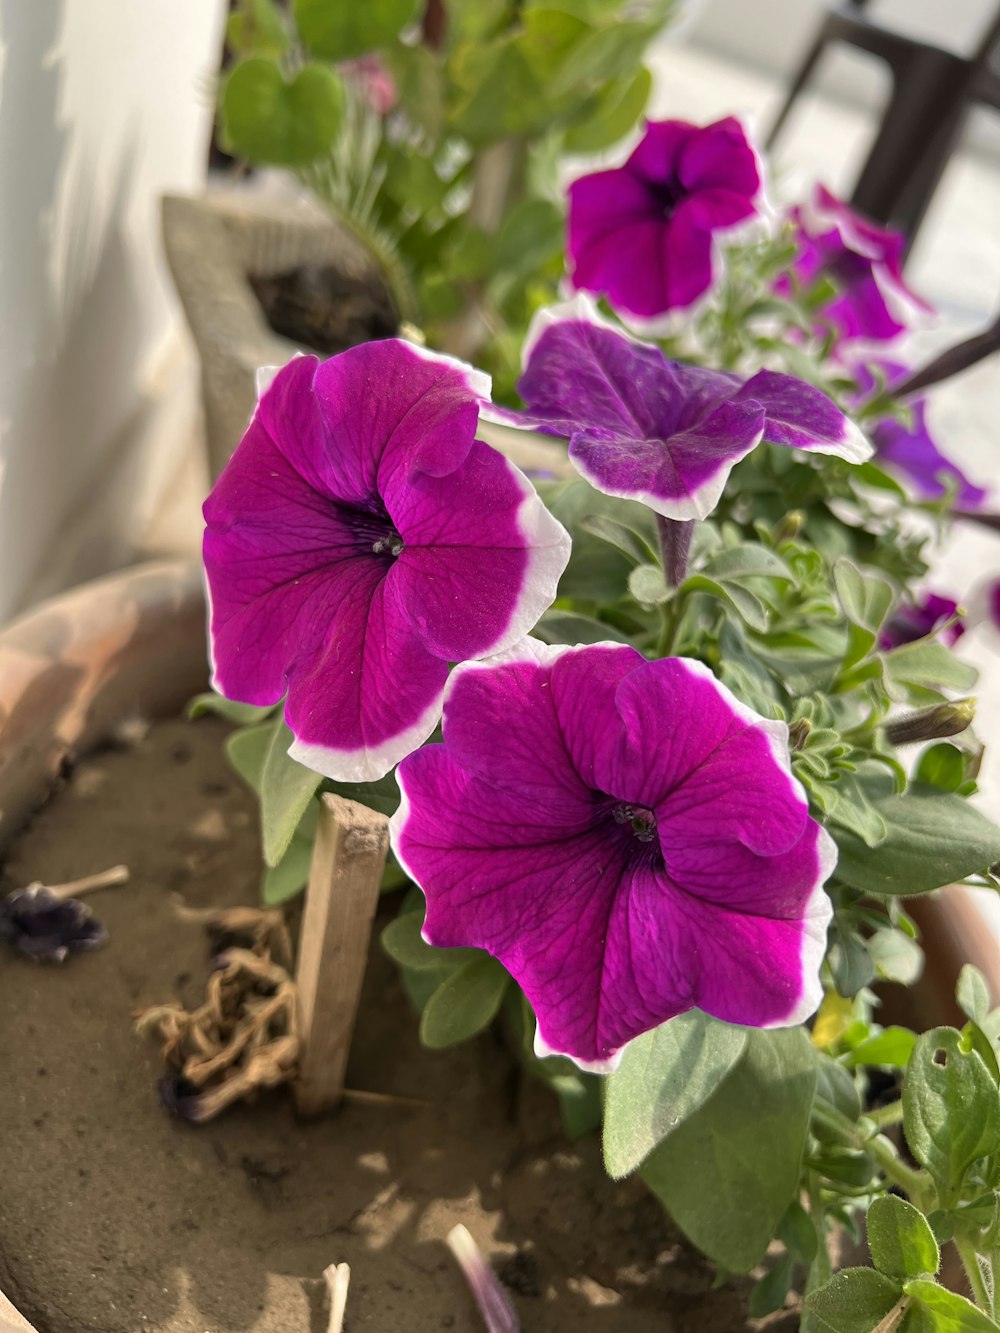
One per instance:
(726, 1183)
(339, 31)
(270, 119)
(901, 1242)
(664, 1077)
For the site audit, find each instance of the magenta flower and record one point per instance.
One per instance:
(667, 434)
(643, 235)
(865, 262)
(911, 449)
(361, 539)
(917, 620)
(625, 837)
(374, 82)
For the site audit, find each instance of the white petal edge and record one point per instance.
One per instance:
(368, 763)
(479, 383)
(698, 503)
(854, 447)
(815, 921)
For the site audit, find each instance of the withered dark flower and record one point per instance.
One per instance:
(47, 927)
(181, 1098)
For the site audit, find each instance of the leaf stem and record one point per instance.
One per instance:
(981, 1293)
(890, 1114)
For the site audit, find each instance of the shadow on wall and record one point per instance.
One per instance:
(69, 292)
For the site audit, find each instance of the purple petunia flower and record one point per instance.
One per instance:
(659, 431)
(361, 539)
(47, 927)
(917, 620)
(625, 837)
(912, 450)
(643, 235)
(863, 259)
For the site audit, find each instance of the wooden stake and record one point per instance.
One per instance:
(347, 864)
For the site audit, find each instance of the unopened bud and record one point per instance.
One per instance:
(789, 527)
(798, 732)
(933, 723)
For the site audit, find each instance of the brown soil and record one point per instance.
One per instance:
(324, 308)
(114, 1217)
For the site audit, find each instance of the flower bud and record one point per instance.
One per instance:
(932, 723)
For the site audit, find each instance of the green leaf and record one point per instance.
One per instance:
(664, 1076)
(382, 795)
(770, 1292)
(531, 236)
(612, 113)
(725, 1183)
(853, 1301)
(257, 27)
(341, 30)
(418, 73)
(934, 838)
(269, 120)
(290, 875)
(286, 788)
(798, 1234)
(930, 665)
(941, 766)
(896, 956)
(749, 607)
(750, 560)
(865, 597)
(892, 1047)
(247, 751)
(244, 715)
(571, 627)
(946, 1311)
(951, 1107)
(973, 994)
(647, 584)
(405, 945)
(901, 1242)
(464, 1004)
(623, 538)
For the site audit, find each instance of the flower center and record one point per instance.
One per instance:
(667, 195)
(373, 530)
(639, 818)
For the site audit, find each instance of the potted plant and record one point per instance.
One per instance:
(704, 739)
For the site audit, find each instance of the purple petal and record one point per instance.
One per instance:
(686, 259)
(539, 842)
(910, 621)
(720, 157)
(912, 450)
(655, 157)
(359, 540)
(803, 417)
(681, 477)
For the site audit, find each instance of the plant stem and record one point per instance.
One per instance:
(981, 1293)
(104, 879)
(675, 547)
(915, 1183)
(883, 1116)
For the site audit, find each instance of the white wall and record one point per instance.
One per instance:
(104, 104)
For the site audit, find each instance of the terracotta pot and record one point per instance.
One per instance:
(133, 644)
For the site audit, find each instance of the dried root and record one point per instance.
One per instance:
(246, 1034)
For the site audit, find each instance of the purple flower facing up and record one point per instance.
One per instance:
(917, 620)
(361, 539)
(643, 235)
(625, 837)
(667, 434)
(866, 263)
(46, 927)
(910, 449)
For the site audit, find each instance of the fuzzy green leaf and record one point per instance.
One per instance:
(464, 1004)
(951, 1107)
(853, 1301)
(934, 838)
(725, 1183)
(901, 1242)
(664, 1076)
